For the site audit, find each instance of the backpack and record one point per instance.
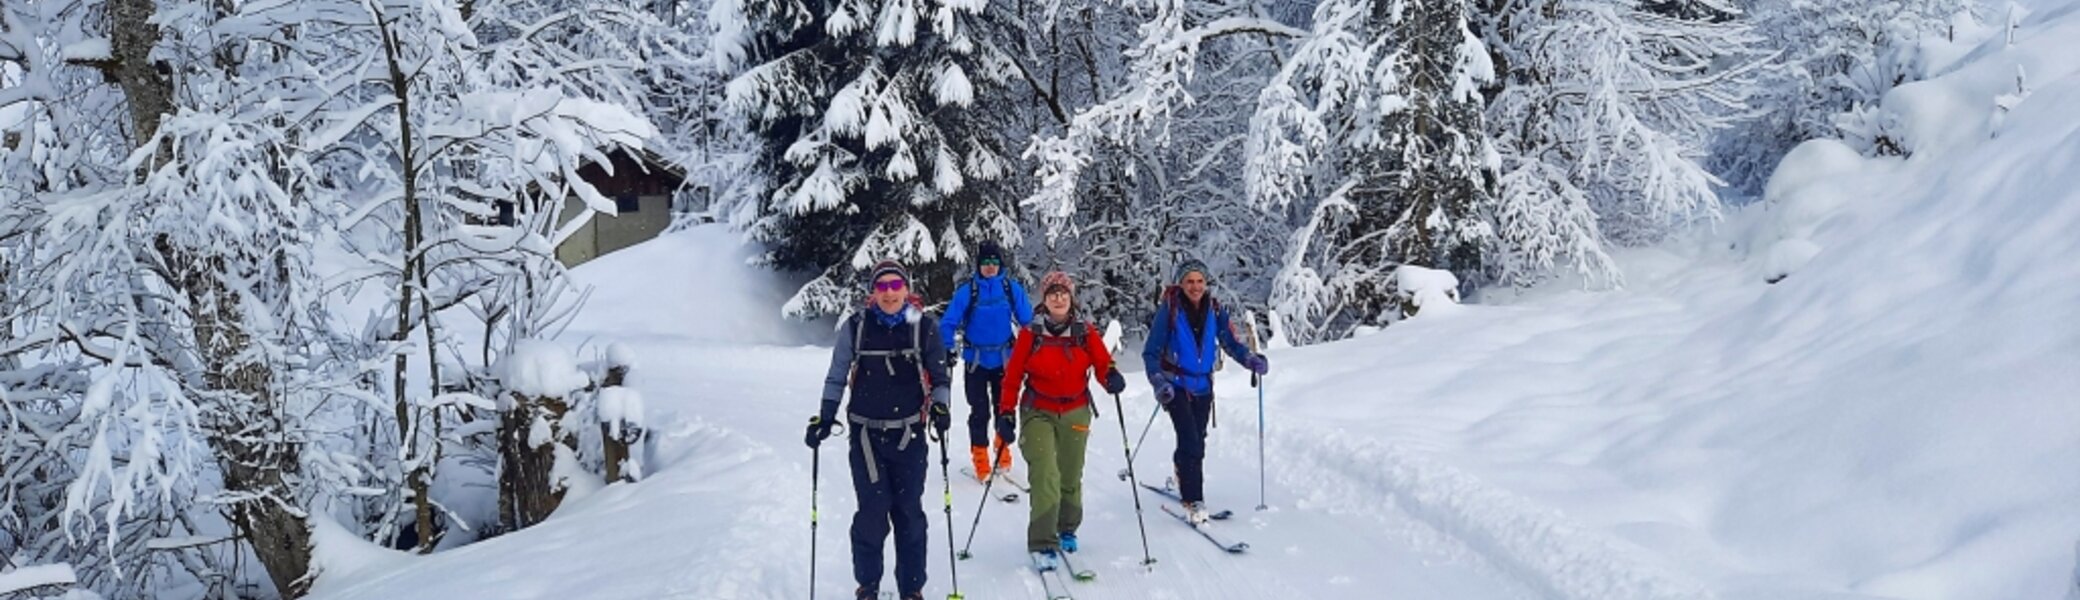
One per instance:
(975, 297)
(1040, 336)
(914, 352)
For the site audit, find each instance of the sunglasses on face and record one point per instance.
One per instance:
(991, 262)
(892, 285)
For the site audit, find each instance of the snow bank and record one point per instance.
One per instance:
(337, 555)
(696, 285)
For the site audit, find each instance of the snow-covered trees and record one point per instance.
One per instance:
(877, 146)
(1140, 166)
(1835, 60)
(1505, 140)
(1604, 117)
(1373, 131)
(174, 345)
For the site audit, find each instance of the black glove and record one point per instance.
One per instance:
(1115, 382)
(818, 430)
(1007, 428)
(953, 361)
(941, 418)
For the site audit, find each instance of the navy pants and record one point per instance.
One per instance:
(984, 386)
(896, 500)
(1188, 414)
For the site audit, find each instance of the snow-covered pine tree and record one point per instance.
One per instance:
(1373, 131)
(1603, 117)
(868, 116)
(1148, 170)
(1835, 61)
(684, 98)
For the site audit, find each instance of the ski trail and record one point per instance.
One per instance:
(1329, 470)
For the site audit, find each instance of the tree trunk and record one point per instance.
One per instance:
(617, 448)
(245, 422)
(527, 489)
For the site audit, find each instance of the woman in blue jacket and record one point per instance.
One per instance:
(1180, 354)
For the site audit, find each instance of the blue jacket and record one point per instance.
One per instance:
(995, 323)
(1176, 357)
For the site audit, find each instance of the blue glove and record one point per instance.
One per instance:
(1165, 393)
(1258, 364)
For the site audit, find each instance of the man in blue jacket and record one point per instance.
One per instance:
(1180, 355)
(987, 311)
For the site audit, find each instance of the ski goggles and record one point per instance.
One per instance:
(991, 262)
(892, 285)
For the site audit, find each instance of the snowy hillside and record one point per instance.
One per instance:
(1897, 417)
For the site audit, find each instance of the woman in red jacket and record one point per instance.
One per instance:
(1052, 364)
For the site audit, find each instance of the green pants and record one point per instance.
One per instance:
(1053, 447)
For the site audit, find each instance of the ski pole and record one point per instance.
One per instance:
(979, 505)
(1134, 483)
(1136, 452)
(815, 479)
(946, 481)
(1256, 381)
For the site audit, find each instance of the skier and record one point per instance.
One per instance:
(1052, 364)
(889, 354)
(1180, 353)
(984, 313)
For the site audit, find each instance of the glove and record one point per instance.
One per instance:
(942, 419)
(1114, 382)
(953, 361)
(1007, 428)
(818, 430)
(1258, 364)
(1165, 393)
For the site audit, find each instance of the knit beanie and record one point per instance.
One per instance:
(1189, 266)
(887, 267)
(1057, 279)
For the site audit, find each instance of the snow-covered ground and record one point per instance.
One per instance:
(1898, 417)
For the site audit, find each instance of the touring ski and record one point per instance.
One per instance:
(1007, 496)
(1235, 548)
(1078, 574)
(1050, 578)
(1172, 494)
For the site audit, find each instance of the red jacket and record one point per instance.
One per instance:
(1055, 376)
